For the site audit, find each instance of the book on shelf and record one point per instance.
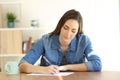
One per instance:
(26, 45)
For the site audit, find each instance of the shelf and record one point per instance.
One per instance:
(12, 55)
(30, 28)
(7, 2)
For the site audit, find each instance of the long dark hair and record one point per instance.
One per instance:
(71, 14)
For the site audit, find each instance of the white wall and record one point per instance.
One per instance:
(105, 36)
(101, 23)
(51, 11)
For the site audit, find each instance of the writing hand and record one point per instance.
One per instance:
(53, 69)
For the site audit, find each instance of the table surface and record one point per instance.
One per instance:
(4, 76)
(104, 75)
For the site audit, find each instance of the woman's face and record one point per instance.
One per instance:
(68, 31)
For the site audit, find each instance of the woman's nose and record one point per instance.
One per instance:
(68, 33)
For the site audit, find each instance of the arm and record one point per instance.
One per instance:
(29, 68)
(93, 62)
(27, 62)
(74, 67)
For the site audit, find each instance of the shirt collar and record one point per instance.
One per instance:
(55, 42)
(73, 44)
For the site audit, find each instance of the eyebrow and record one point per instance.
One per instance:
(68, 27)
(74, 29)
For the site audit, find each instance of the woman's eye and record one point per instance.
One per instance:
(74, 31)
(65, 27)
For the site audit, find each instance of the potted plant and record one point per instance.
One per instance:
(11, 19)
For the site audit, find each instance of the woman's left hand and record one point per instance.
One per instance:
(62, 68)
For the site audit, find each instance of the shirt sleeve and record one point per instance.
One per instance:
(34, 53)
(93, 61)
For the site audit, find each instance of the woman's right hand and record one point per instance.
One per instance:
(52, 69)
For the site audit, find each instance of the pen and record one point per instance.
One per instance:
(47, 60)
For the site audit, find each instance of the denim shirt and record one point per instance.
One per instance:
(79, 48)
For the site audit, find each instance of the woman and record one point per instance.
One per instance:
(64, 49)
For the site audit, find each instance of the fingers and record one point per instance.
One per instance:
(56, 69)
(53, 69)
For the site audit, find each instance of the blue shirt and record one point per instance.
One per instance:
(79, 48)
